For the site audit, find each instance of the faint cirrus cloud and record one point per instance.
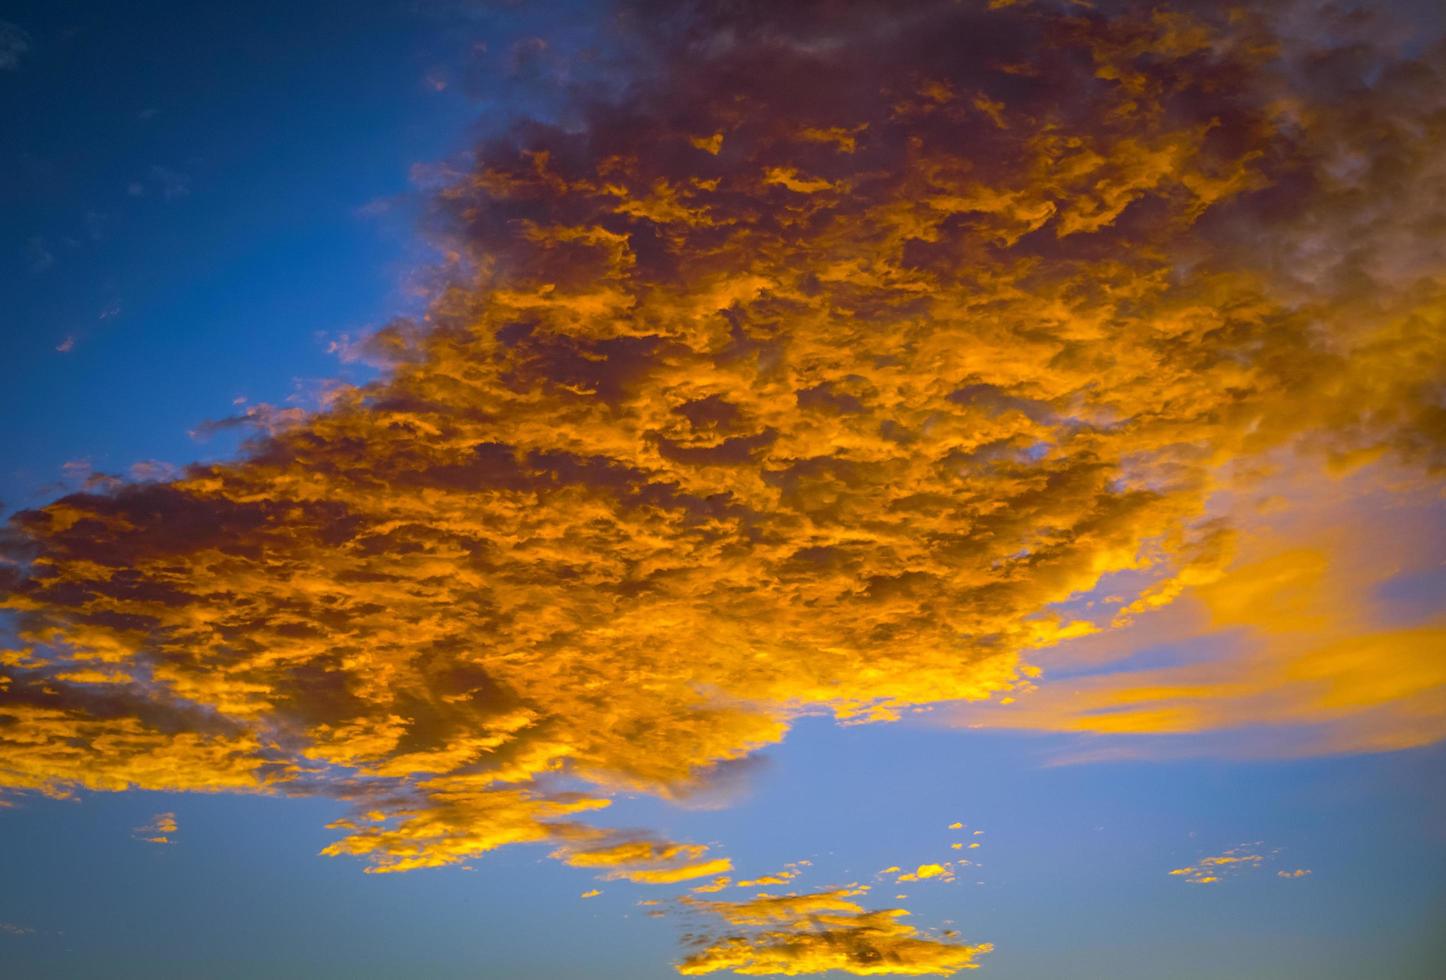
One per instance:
(172, 183)
(38, 256)
(14, 46)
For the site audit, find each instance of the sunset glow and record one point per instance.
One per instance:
(1058, 382)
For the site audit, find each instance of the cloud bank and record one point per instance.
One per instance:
(815, 369)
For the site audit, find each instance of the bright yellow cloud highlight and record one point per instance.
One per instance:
(812, 933)
(1305, 645)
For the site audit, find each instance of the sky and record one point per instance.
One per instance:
(636, 489)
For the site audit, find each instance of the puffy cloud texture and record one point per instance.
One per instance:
(817, 366)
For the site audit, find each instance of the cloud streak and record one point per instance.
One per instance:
(14, 46)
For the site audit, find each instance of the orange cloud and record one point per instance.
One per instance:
(831, 374)
(160, 830)
(1292, 635)
(1209, 870)
(813, 933)
(1237, 860)
(926, 871)
(716, 885)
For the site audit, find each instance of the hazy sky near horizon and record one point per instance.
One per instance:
(627, 489)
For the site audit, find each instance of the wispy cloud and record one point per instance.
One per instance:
(14, 46)
(1294, 651)
(160, 829)
(172, 184)
(38, 256)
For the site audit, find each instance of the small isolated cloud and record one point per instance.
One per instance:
(531, 57)
(172, 184)
(14, 46)
(1297, 873)
(818, 932)
(924, 872)
(153, 469)
(374, 208)
(1235, 861)
(261, 417)
(77, 469)
(790, 871)
(160, 829)
(15, 929)
(591, 893)
(66, 345)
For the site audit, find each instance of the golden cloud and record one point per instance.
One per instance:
(1246, 857)
(1292, 640)
(160, 829)
(816, 378)
(813, 933)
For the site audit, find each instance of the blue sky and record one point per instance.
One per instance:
(200, 198)
(1074, 867)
